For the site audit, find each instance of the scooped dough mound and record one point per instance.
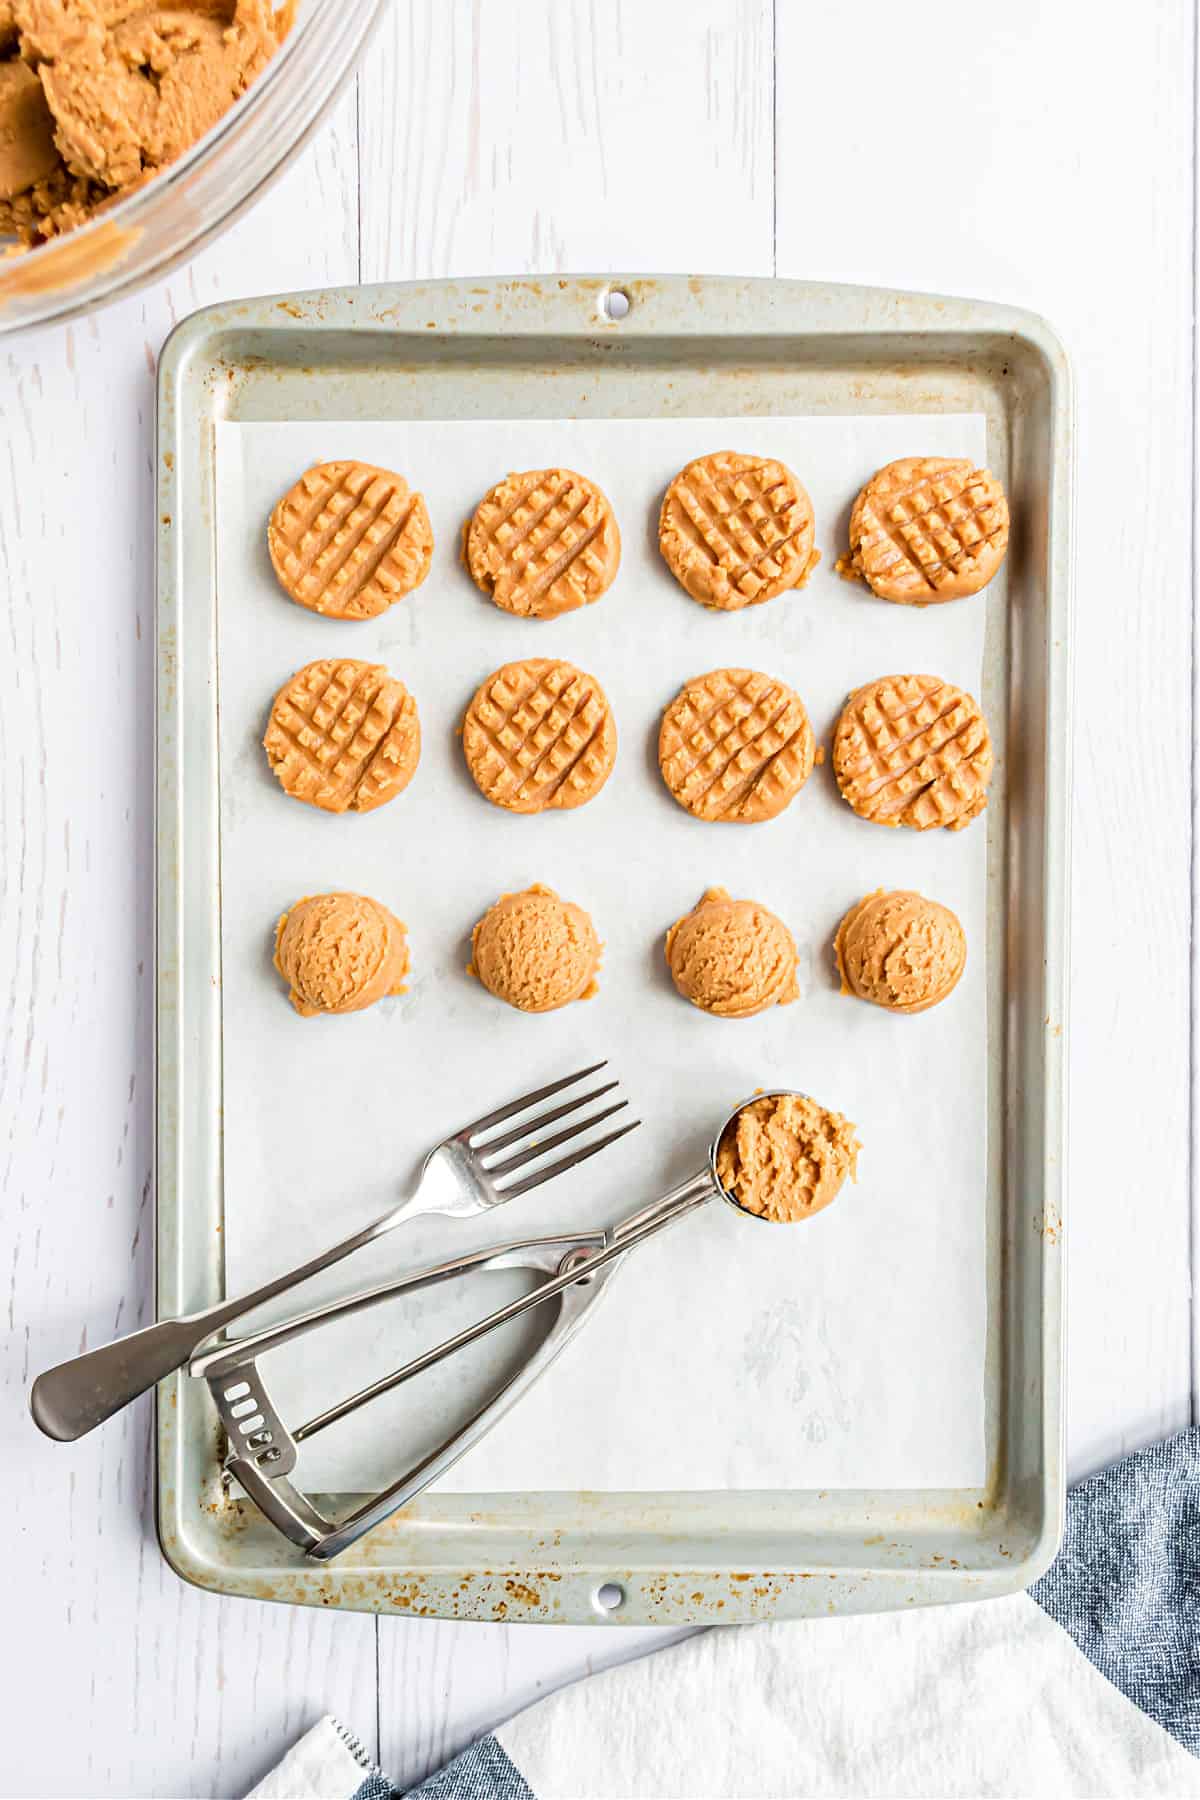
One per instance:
(785, 1157)
(125, 87)
(339, 953)
(900, 951)
(536, 951)
(732, 957)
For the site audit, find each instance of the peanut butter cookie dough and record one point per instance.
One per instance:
(535, 951)
(913, 750)
(539, 734)
(340, 953)
(543, 543)
(736, 530)
(120, 89)
(736, 746)
(349, 539)
(926, 529)
(343, 736)
(732, 958)
(900, 951)
(784, 1157)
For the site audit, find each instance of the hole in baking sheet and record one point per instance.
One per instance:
(243, 1407)
(608, 1597)
(616, 304)
(237, 1390)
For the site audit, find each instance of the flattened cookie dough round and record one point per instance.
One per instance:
(735, 745)
(785, 1157)
(927, 528)
(543, 543)
(732, 958)
(900, 951)
(736, 530)
(539, 734)
(340, 953)
(343, 736)
(349, 539)
(913, 750)
(535, 951)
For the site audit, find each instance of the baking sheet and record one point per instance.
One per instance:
(846, 1352)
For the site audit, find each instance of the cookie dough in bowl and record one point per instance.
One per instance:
(536, 951)
(785, 1157)
(900, 951)
(107, 93)
(732, 958)
(340, 953)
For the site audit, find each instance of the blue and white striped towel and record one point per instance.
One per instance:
(1088, 1685)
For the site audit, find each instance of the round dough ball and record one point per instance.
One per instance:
(543, 543)
(928, 528)
(736, 530)
(784, 1157)
(900, 951)
(535, 951)
(732, 958)
(339, 953)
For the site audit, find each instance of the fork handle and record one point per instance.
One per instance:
(72, 1399)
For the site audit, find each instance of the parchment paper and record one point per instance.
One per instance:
(847, 1351)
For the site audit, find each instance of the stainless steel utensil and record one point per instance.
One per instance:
(459, 1178)
(263, 1452)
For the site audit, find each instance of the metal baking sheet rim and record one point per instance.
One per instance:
(676, 1571)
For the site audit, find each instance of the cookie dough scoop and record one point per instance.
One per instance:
(900, 951)
(784, 1157)
(340, 953)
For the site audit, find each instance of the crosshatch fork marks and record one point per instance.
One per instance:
(349, 539)
(343, 736)
(736, 745)
(736, 530)
(539, 734)
(913, 750)
(543, 543)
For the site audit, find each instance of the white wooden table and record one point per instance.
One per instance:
(1016, 153)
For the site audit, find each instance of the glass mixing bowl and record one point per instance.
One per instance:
(141, 238)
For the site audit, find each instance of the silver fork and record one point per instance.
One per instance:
(459, 1178)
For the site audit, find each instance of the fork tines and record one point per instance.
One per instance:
(497, 1171)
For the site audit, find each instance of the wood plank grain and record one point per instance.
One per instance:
(587, 136)
(603, 137)
(127, 1682)
(987, 163)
